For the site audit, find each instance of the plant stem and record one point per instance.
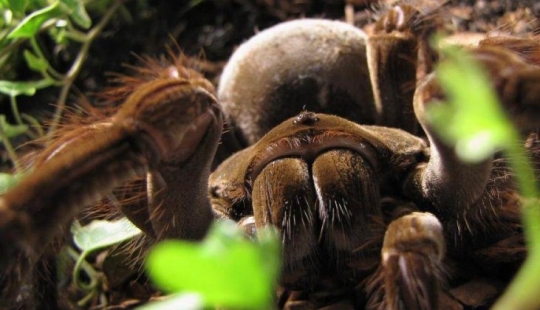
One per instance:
(521, 294)
(81, 263)
(15, 110)
(35, 124)
(55, 75)
(10, 150)
(526, 181)
(75, 35)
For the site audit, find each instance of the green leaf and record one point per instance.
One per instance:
(23, 88)
(226, 269)
(187, 301)
(34, 62)
(471, 118)
(18, 6)
(7, 181)
(12, 130)
(75, 9)
(29, 26)
(100, 234)
(270, 251)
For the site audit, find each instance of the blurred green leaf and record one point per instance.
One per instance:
(29, 26)
(12, 130)
(7, 181)
(17, 6)
(187, 301)
(226, 269)
(471, 118)
(35, 63)
(23, 88)
(100, 234)
(75, 9)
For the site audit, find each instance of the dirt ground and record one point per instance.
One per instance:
(214, 28)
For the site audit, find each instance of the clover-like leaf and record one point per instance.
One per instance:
(11, 88)
(76, 10)
(12, 130)
(34, 62)
(29, 26)
(100, 234)
(226, 268)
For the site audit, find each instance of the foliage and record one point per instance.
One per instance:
(473, 120)
(97, 235)
(182, 301)
(225, 270)
(24, 24)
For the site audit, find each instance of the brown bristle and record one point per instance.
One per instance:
(129, 193)
(526, 48)
(74, 117)
(429, 16)
(171, 65)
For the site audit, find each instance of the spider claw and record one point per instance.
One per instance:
(412, 255)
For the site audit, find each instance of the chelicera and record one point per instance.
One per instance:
(331, 147)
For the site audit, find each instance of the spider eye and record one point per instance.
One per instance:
(306, 118)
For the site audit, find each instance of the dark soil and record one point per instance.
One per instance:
(214, 28)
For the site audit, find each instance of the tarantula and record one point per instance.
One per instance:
(373, 209)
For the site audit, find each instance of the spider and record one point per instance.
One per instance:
(326, 141)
